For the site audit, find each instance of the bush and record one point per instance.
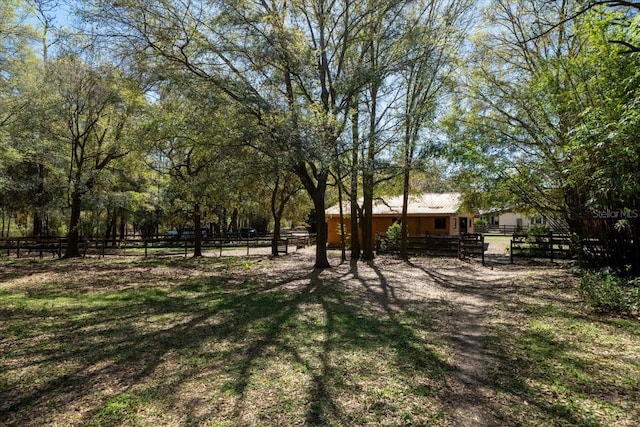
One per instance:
(394, 234)
(608, 293)
(537, 230)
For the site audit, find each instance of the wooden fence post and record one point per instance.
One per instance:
(551, 244)
(511, 250)
(482, 247)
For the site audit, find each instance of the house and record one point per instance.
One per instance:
(428, 213)
(509, 220)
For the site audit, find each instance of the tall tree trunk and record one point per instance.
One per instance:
(355, 234)
(197, 225)
(276, 233)
(316, 190)
(343, 237)
(73, 235)
(367, 218)
(405, 202)
(109, 232)
(368, 181)
(234, 220)
(223, 221)
(40, 203)
(408, 157)
(123, 224)
(277, 210)
(37, 223)
(321, 238)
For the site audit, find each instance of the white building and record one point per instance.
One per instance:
(509, 221)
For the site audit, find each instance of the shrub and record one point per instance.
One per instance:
(609, 293)
(537, 230)
(394, 233)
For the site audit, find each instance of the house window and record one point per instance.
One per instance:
(440, 223)
(537, 220)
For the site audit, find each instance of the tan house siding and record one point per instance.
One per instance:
(425, 212)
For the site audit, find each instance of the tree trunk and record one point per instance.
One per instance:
(355, 235)
(405, 201)
(367, 186)
(197, 225)
(37, 223)
(343, 237)
(316, 188)
(110, 233)
(40, 203)
(321, 238)
(234, 220)
(408, 157)
(277, 217)
(123, 224)
(73, 235)
(368, 173)
(366, 220)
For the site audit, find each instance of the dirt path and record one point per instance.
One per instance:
(461, 288)
(466, 300)
(387, 342)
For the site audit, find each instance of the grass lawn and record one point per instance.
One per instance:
(233, 341)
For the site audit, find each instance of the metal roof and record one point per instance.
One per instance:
(423, 204)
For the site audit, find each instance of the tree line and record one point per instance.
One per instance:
(280, 106)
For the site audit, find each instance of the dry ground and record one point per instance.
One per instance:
(272, 342)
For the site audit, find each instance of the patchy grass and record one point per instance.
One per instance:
(236, 341)
(181, 342)
(559, 364)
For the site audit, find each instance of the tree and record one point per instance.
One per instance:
(626, 21)
(425, 74)
(538, 114)
(187, 138)
(91, 112)
(271, 58)
(14, 54)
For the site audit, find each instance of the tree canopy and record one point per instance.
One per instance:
(217, 114)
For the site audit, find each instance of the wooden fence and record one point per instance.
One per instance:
(513, 229)
(551, 245)
(463, 246)
(21, 247)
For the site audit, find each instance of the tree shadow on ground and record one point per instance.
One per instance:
(536, 367)
(97, 356)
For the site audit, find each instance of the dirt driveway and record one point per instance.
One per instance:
(466, 300)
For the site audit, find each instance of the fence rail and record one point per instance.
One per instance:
(512, 229)
(551, 245)
(29, 247)
(463, 246)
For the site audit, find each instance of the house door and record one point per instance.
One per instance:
(463, 225)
